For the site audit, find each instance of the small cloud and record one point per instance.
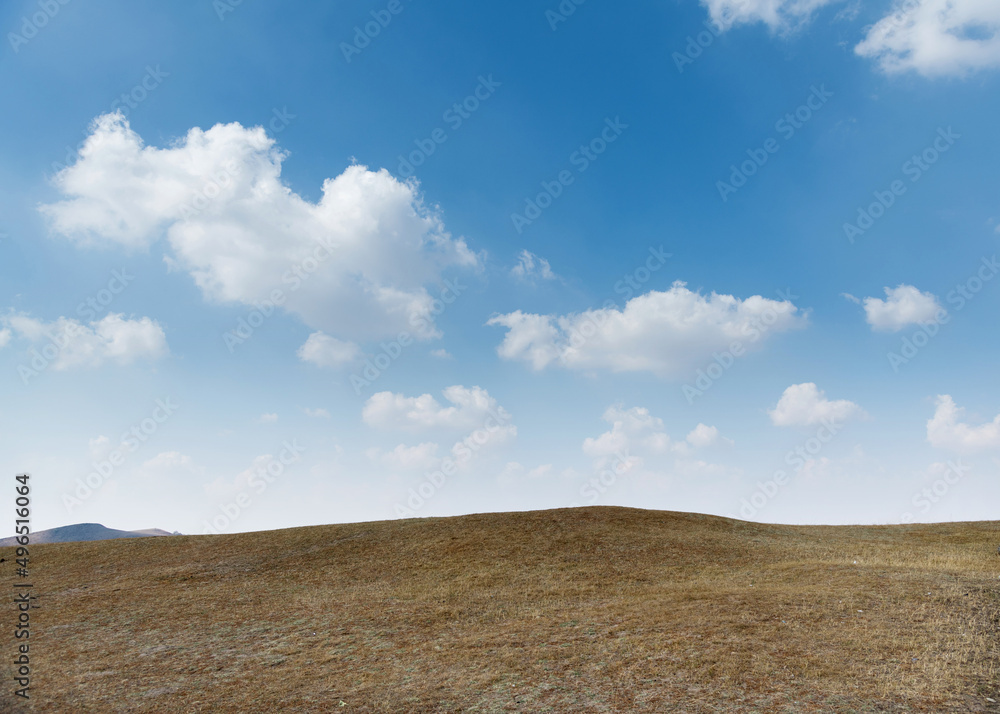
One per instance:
(903, 305)
(317, 413)
(168, 466)
(422, 457)
(113, 338)
(703, 436)
(325, 351)
(806, 404)
(441, 354)
(849, 13)
(935, 38)
(471, 408)
(531, 267)
(945, 431)
(267, 418)
(99, 447)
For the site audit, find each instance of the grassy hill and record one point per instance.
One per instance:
(585, 610)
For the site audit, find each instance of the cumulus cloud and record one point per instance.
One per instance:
(636, 430)
(324, 351)
(356, 264)
(703, 436)
(267, 418)
(317, 413)
(638, 445)
(904, 305)
(422, 457)
(5, 336)
(471, 409)
(530, 267)
(71, 344)
(936, 37)
(780, 15)
(668, 333)
(806, 404)
(945, 431)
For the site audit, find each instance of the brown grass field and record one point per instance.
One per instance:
(584, 610)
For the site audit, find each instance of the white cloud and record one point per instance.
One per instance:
(5, 335)
(99, 447)
(356, 264)
(471, 409)
(168, 466)
(317, 413)
(70, 344)
(783, 15)
(806, 404)
(936, 37)
(422, 457)
(703, 436)
(223, 487)
(638, 445)
(267, 418)
(668, 332)
(904, 305)
(324, 351)
(531, 267)
(441, 354)
(945, 431)
(635, 430)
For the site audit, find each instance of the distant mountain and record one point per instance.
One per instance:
(82, 532)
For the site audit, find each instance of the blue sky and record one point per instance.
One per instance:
(214, 217)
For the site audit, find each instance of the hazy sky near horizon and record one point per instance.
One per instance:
(264, 266)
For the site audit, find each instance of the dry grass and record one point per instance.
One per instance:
(586, 610)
